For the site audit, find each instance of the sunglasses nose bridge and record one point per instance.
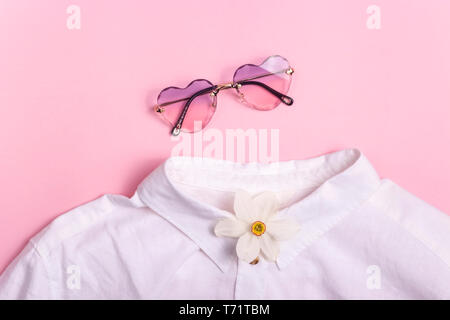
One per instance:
(221, 87)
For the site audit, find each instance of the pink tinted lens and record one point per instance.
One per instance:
(272, 72)
(199, 112)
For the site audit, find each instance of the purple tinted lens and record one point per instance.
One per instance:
(200, 110)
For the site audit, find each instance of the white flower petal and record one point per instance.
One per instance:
(282, 229)
(270, 247)
(243, 206)
(248, 247)
(266, 204)
(230, 227)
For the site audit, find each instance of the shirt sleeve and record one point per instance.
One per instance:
(26, 277)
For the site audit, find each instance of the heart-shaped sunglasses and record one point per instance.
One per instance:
(262, 87)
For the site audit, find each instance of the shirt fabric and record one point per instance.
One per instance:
(360, 237)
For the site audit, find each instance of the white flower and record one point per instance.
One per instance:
(256, 226)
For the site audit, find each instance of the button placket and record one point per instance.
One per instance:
(251, 280)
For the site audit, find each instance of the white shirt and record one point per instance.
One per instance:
(360, 237)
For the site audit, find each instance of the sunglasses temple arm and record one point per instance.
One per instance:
(284, 98)
(177, 127)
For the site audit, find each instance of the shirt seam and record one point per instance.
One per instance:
(350, 210)
(231, 189)
(46, 268)
(419, 239)
(50, 249)
(254, 169)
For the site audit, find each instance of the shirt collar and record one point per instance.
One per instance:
(349, 181)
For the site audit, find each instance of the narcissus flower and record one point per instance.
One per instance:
(257, 226)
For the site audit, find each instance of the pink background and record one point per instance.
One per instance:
(75, 121)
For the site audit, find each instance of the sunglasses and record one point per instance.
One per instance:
(262, 87)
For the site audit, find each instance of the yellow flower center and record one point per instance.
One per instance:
(258, 228)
